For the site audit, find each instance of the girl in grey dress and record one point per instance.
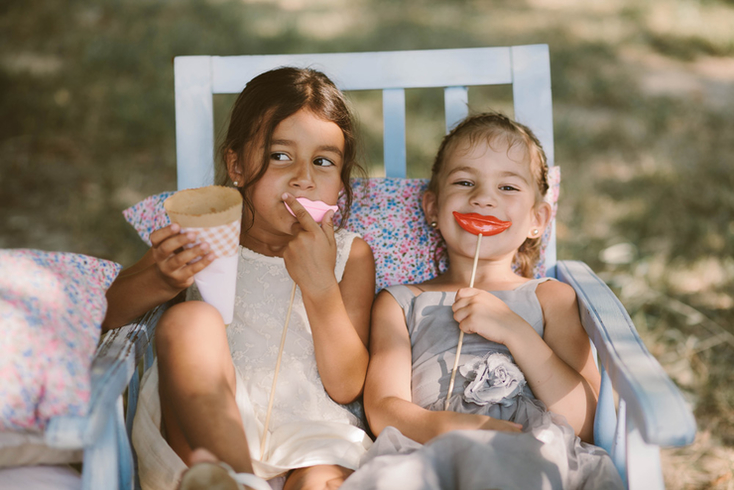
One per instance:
(521, 411)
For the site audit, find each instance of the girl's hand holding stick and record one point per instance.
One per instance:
(316, 210)
(479, 225)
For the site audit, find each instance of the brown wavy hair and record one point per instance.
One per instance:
(268, 99)
(499, 130)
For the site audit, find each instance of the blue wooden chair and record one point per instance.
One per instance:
(650, 412)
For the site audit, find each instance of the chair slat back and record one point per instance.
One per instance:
(526, 68)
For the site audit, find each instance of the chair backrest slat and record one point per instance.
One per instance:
(194, 121)
(531, 93)
(456, 105)
(393, 117)
(375, 71)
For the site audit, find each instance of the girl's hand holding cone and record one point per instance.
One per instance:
(213, 215)
(176, 260)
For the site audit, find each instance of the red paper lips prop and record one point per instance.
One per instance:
(478, 224)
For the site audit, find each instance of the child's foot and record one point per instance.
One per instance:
(207, 473)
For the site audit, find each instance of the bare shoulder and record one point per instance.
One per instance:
(360, 262)
(560, 308)
(361, 251)
(556, 294)
(384, 302)
(388, 326)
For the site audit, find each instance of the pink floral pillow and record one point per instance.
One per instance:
(148, 215)
(51, 308)
(387, 213)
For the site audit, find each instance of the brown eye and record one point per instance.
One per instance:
(279, 156)
(323, 162)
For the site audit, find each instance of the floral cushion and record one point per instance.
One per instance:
(387, 213)
(51, 307)
(148, 215)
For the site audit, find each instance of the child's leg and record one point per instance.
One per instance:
(197, 385)
(320, 477)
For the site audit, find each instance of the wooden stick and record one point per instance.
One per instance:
(275, 374)
(461, 332)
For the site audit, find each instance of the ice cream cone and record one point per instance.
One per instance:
(215, 214)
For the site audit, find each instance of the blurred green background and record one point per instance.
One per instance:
(643, 94)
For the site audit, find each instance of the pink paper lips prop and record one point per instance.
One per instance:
(317, 209)
(478, 224)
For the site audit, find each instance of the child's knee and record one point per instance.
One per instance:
(317, 477)
(187, 322)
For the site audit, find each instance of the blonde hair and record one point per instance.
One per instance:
(498, 129)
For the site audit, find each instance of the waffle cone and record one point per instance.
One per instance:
(214, 205)
(213, 212)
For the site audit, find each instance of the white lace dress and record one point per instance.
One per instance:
(306, 426)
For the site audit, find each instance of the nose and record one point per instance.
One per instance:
(483, 197)
(303, 176)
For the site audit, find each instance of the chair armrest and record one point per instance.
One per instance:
(653, 402)
(116, 358)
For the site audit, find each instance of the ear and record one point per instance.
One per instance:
(430, 206)
(233, 168)
(541, 217)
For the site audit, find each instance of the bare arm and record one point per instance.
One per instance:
(339, 318)
(567, 338)
(387, 397)
(337, 312)
(163, 272)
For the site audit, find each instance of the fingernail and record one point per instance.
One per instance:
(204, 246)
(190, 235)
(285, 196)
(175, 227)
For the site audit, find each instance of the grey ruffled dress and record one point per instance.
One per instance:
(547, 455)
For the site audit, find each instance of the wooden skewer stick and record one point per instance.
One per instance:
(275, 374)
(461, 332)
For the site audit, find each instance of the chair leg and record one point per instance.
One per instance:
(644, 471)
(101, 461)
(619, 445)
(606, 414)
(124, 451)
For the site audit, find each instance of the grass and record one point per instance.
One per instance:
(643, 106)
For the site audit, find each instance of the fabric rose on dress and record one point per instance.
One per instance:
(493, 378)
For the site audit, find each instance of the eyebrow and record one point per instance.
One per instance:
(329, 148)
(465, 168)
(508, 173)
(472, 170)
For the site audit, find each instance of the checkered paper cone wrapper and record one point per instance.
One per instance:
(215, 214)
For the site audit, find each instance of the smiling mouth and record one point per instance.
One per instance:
(478, 224)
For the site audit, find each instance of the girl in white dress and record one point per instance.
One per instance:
(526, 389)
(290, 136)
